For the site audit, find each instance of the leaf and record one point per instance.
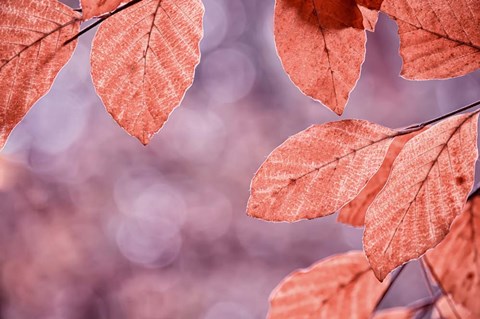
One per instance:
(95, 8)
(455, 262)
(370, 18)
(395, 313)
(427, 188)
(354, 212)
(32, 34)
(450, 310)
(438, 39)
(341, 286)
(321, 44)
(317, 171)
(370, 4)
(143, 61)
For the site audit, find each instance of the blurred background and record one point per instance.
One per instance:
(95, 225)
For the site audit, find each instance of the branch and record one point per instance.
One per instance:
(428, 283)
(442, 117)
(444, 292)
(101, 19)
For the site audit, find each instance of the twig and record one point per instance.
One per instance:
(101, 19)
(429, 286)
(444, 292)
(422, 306)
(442, 117)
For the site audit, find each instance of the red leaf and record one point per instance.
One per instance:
(95, 8)
(427, 188)
(438, 39)
(455, 262)
(32, 53)
(354, 212)
(322, 46)
(143, 61)
(370, 18)
(341, 286)
(317, 171)
(371, 4)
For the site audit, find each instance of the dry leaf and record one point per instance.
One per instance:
(315, 172)
(438, 39)
(427, 188)
(341, 286)
(322, 46)
(354, 212)
(143, 61)
(95, 8)
(455, 262)
(370, 18)
(371, 4)
(395, 313)
(32, 34)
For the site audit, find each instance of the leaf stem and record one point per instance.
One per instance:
(462, 109)
(101, 19)
(390, 284)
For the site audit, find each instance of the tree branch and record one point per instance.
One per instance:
(442, 117)
(101, 19)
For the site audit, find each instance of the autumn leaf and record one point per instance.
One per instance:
(143, 61)
(95, 8)
(354, 212)
(317, 171)
(427, 188)
(370, 4)
(341, 286)
(455, 262)
(321, 44)
(32, 34)
(438, 39)
(370, 18)
(395, 313)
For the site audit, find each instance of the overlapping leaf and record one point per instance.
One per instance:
(94, 8)
(438, 39)
(455, 262)
(354, 212)
(341, 286)
(32, 53)
(317, 171)
(143, 61)
(426, 190)
(321, 44)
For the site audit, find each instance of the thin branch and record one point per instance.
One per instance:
(428, 283)
(390, 284)
(442, 117)
(423, 306)
(444, 292)
(101, 19)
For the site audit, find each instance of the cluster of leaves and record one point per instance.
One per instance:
(321, 43)
(406, 187)
(142, 62)
(344, 286)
